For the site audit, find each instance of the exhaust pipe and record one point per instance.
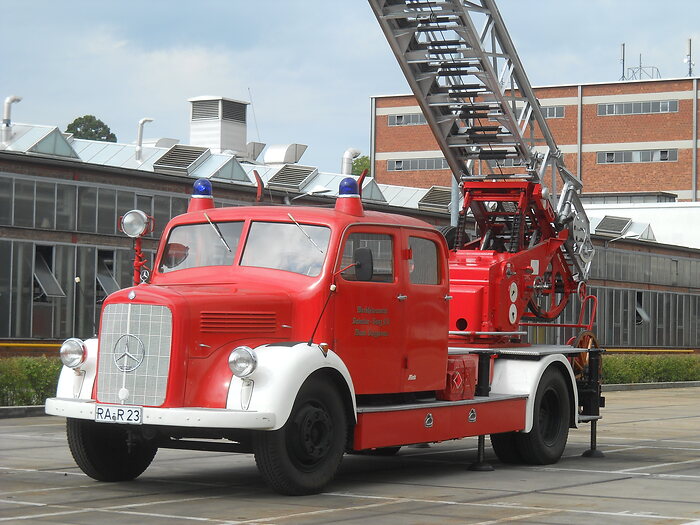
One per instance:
(139, 137)
(6, 119)
(348, 156)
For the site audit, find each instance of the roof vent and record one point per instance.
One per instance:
(613, 225)
(181, 160)
(219, 124)
(437, 198)
(291, 177)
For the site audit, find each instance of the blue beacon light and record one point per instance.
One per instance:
(348, 186)
(201, 188)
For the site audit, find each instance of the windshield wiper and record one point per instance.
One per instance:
(218, 232)
(304, 232)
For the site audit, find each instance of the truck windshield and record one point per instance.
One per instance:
(293, 247)
(194, 245)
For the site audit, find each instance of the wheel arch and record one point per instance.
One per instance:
(281, 372)
(517, 376)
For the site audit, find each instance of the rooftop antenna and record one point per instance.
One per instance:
(622, 59)
(255, 120)
(689, 58)
(642, 72)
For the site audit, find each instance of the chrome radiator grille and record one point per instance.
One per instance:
(134, 355)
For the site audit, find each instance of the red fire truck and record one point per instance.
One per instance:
(300, 333)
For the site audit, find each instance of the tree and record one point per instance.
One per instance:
(360, 164)
(91, 128)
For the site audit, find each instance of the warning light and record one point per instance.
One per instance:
(201, 188)
(348, 186)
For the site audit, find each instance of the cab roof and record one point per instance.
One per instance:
(306, 214)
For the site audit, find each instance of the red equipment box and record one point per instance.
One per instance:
(461, 378)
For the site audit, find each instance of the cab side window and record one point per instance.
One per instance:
(423, 265)
(382, 248)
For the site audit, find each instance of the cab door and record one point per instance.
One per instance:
(369, 327)
(424, 290)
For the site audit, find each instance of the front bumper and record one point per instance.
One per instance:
(179, 417)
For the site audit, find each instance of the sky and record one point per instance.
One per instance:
(309, 67)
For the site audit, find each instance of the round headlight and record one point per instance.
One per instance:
(242, 361)
(134, 223)
(73, 352)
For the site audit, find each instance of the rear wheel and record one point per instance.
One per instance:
(545, 443)
(506, 448)
(303, 456)
(105, 452)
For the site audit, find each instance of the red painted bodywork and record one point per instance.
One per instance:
(402, 427)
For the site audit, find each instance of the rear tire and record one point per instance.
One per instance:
(506, 447)
(303, 456)
(545, 443)
(101, 450)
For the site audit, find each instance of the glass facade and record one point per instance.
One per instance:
(630, 314)
(80, 207)
(646, 299)
(53, 289)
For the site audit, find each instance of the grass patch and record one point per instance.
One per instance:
(650, 368)
(28, 380)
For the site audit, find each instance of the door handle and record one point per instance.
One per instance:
(402, 297)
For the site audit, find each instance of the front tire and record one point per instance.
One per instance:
(103, 451)
(303, 456)
(545, 443)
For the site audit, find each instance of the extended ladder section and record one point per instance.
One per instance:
(464, 71)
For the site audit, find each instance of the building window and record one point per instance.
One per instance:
(411, 119)
(638, 108)
(416, 164)
(105, 275)
(553, 111)
(626, 157)
(46, 284)
(506, 163)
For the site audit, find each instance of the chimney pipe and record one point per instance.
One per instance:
(139, 137)
(348, 156)
(6, 119)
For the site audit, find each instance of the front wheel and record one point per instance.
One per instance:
(105, 452)
(303, 456)
(545, 443)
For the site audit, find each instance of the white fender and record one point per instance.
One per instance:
(77, 383)
(511, 376)
(281, 371)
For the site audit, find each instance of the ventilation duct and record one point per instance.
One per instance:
(284, 153)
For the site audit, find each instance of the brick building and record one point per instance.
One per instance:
(631, 136)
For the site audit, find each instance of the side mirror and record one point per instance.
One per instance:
(364, 266)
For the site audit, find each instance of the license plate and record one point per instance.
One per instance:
(119, 414)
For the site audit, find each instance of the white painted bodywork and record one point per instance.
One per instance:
(279, 375)
(261, 401)
(520, 376)
(78, 383)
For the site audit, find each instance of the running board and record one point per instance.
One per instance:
(433, 421)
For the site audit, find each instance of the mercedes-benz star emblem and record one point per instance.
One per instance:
(128, 353)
